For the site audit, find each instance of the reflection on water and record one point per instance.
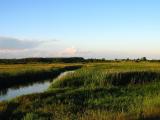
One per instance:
(4, 91)
(36, 87)
(23, 90)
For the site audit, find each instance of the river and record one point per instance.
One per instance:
(37, 87)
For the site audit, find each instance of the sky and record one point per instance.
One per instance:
(87, 28)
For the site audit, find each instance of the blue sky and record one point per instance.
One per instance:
(87, 28)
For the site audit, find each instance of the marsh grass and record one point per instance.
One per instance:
(24, 76)
(118, 91)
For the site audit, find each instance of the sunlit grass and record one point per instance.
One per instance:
(118, 91)
(17, 74)
(17, 68)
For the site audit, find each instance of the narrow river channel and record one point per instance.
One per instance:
(36, 87)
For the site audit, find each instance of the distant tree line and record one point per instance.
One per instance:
(97, 60)
(42, 60)
(69, 60)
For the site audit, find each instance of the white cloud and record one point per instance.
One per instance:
(10, 43)
(69, 51)
(19, 48)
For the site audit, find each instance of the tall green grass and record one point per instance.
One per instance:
(108, 91)
(24, 76)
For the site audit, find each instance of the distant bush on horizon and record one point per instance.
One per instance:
(69, 60)
(42, 60)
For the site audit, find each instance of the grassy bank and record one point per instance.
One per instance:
(11, 75)
(105, 91)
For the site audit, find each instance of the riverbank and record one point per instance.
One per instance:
(23, 74)
(29, 88)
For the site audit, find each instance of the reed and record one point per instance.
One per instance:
(24, 76)
(118, 91)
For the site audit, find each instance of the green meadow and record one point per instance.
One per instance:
(18, 74)
(95, 91)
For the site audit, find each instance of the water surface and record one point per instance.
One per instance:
(36, 87)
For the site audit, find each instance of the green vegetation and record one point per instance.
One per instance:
(70, 60)
(97, 91)
(42, 60)
(19, 74)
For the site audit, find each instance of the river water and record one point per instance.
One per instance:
(36, 87)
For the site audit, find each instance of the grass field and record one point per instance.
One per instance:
(97, 91)
(17, 74)
(17, 68)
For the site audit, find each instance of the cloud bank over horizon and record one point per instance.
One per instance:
(18, 48)
(9, 44)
